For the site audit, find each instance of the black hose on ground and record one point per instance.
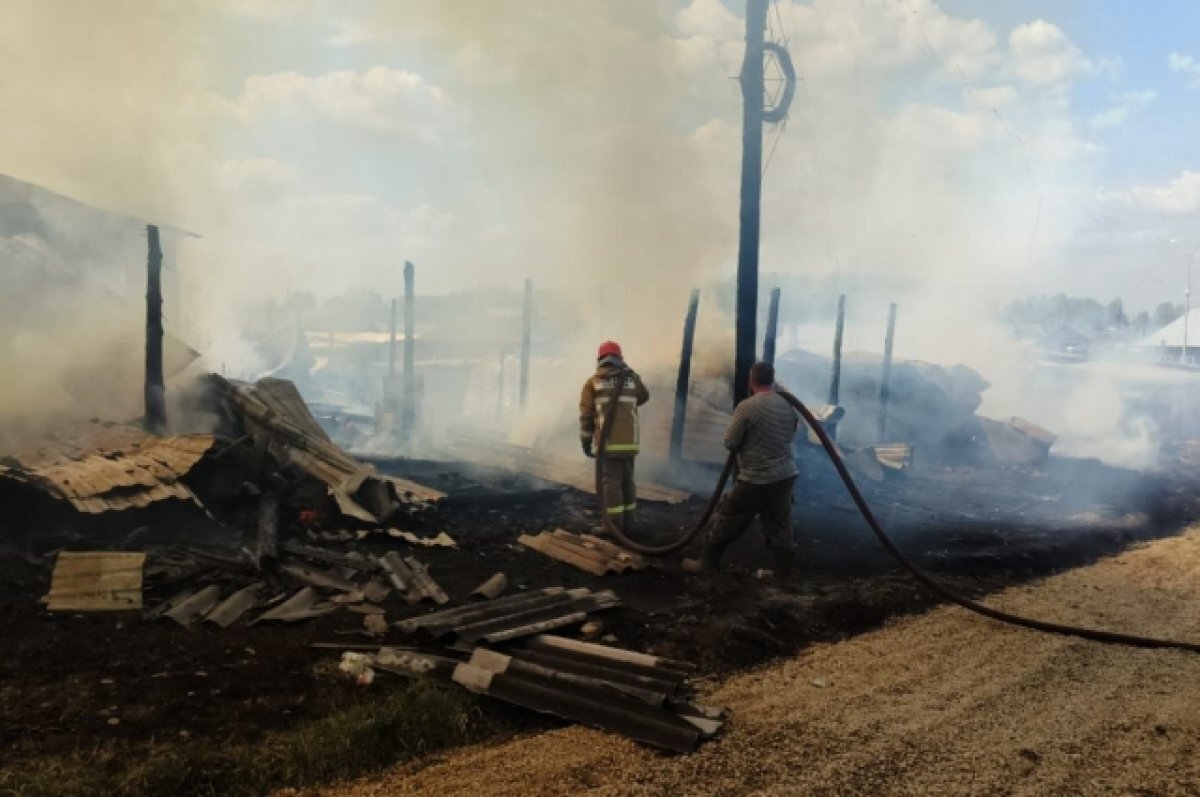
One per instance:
(937, 588)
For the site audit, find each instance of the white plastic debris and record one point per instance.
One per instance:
(358, 666)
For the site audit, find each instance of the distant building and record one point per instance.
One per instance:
(1066, 343)
(1166, 344)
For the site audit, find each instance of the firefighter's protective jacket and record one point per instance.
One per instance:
(598, 391)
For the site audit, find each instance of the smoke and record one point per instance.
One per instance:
(99, 103)
(102, 102)
(929, 159)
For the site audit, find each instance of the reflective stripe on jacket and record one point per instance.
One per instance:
(598, 391)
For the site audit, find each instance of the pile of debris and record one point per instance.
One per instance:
(280, 526)
(265, 444)
(641, 696)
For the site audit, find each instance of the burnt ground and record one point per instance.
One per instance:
(79, 682)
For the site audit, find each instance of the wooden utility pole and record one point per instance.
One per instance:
(885, 378)
(526, 335)
(772, 328)
(685, 377)
(408, 409)
(835, 379)
(751, 196)
(155, 391)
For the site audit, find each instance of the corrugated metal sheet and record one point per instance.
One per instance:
(137, 475)
(195, 606)
(321, 579)
(227, 612)
(608, 688)
(514, 616)
(411, 577)
(492, 588)
(589, 553)
(304, 605)
(274, 413)
(96, 581)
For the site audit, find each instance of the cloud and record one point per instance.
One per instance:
(838, 38)
(1187, 66)
(1043, 56)
(1123, 105)
(1180, 196)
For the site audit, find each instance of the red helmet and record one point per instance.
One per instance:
(608, 348)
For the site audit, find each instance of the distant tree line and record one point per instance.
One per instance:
(1041, 314)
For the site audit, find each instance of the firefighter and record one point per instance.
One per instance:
(619, 491)
(761, 433)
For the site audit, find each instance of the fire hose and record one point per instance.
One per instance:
(860, 501)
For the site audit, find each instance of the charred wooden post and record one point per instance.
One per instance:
(408, 407)
(155, 393)
(526, 334)
(684, 380)
(835, 379)
(751, 197)
(266, 549)
(886, 377)
(772, 328)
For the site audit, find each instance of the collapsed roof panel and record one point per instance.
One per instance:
(274, 414)
(137, 474)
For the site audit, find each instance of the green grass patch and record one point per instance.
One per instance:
(393, 722)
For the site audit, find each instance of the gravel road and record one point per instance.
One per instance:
(944, 703)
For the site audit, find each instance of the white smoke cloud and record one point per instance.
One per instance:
(593, 146)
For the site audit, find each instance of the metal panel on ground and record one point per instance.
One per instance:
(603, 697)
(492, 588)
(229, 610)
(195, 606)
(304, 605)
(96, 581)
(515, 616)
(589, 553)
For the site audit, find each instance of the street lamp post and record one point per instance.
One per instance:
(1187, 305)
(1187, 301)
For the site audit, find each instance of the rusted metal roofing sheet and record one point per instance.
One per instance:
(96, 581)
(514, 616)
(589, 553)
(136, 475)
